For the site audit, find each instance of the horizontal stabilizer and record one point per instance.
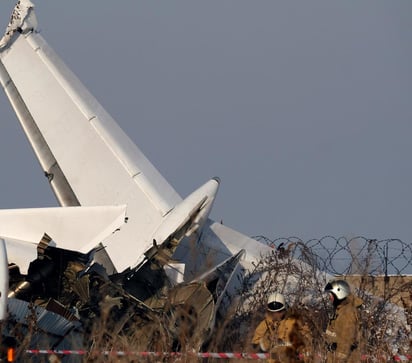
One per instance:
(72, 228)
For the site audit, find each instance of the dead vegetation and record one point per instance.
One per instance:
(294, 268)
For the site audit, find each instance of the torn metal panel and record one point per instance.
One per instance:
(48, 321)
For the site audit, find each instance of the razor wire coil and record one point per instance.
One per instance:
(356, 255)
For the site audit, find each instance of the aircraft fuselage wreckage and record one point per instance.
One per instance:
(123, 242)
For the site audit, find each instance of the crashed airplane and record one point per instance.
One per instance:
(122, 235)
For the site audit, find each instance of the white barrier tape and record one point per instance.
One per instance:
(171, 354)
(402, 358)
(396, 358)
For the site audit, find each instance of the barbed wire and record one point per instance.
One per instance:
(356, 255)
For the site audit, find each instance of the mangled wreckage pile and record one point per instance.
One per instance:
(63, 295)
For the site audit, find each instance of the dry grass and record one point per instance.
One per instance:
(385, 317)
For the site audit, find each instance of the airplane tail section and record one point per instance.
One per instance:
(90, 161)
(59, 115)
(87, 158)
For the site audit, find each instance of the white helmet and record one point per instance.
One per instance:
(339, 288)
(276, 302)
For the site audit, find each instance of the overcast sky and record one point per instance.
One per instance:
(302, 108)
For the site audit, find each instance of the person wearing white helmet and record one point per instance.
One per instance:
(342, 333)
(280, 333)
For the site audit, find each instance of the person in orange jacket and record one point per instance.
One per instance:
(282, 334)
(342, 333)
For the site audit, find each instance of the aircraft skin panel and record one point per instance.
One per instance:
(235, 241)
(75, 228)
(70, 118)
(216, 244)
(58, 182)
(21, 253)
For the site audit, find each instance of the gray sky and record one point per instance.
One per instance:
(302, 108)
